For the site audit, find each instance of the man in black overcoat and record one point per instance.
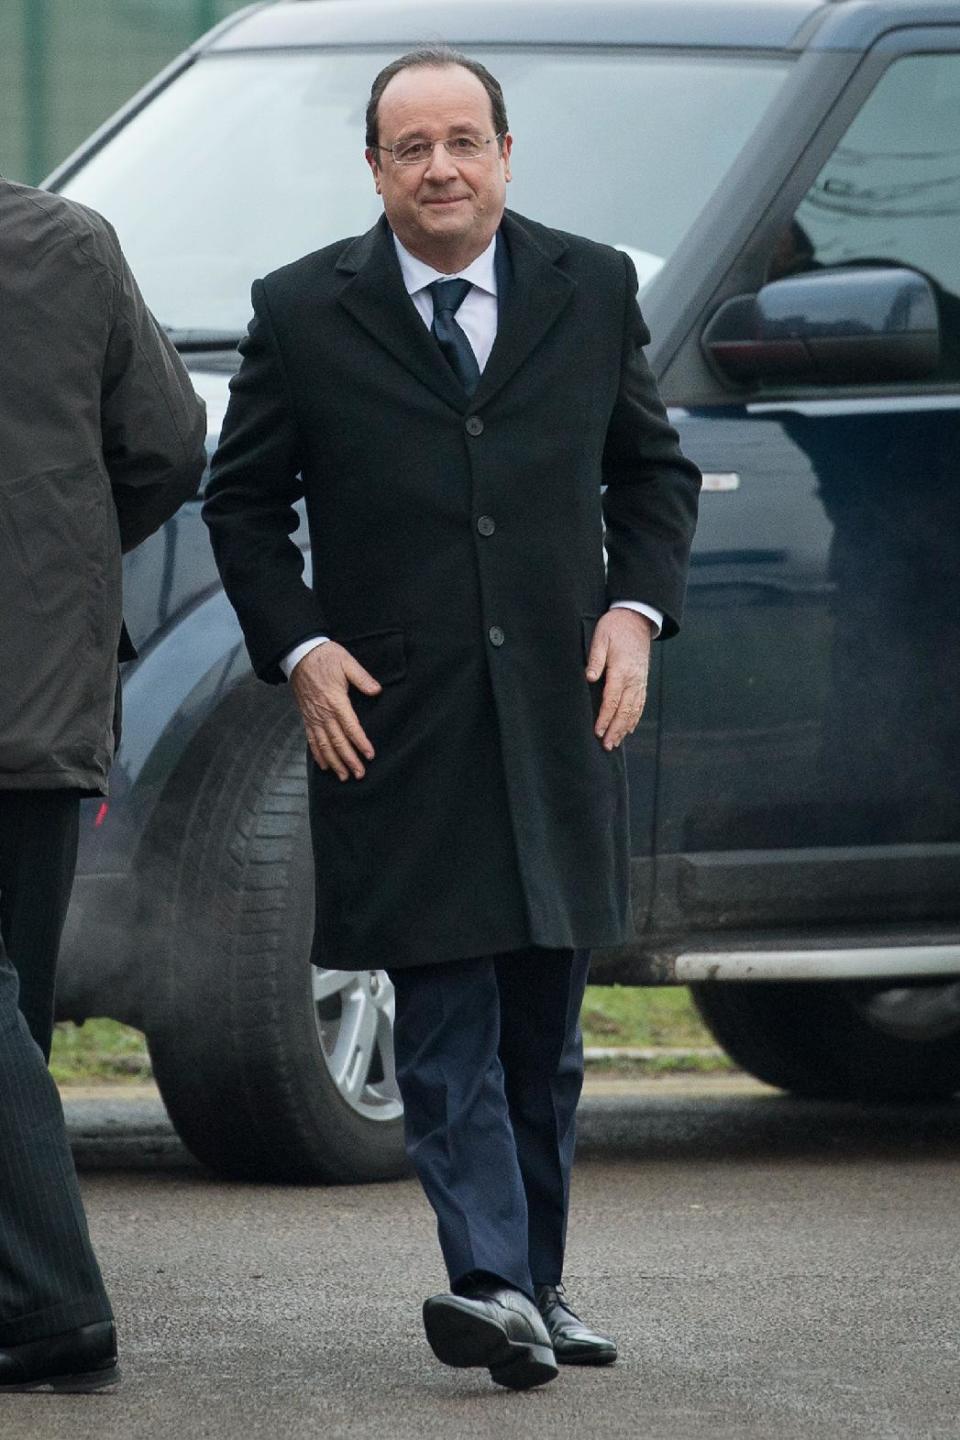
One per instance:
(450, 393)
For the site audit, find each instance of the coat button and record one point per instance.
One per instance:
(496, 635)
(474, 425)
(486, 525)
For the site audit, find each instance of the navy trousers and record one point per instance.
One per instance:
(49, 1278)
(489, 1062)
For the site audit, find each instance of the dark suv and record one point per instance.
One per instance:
(786, 176)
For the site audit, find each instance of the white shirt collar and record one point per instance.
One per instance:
(417, 276)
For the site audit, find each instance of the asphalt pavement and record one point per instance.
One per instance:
(773, 1270)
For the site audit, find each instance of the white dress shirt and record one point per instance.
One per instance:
(477, 318)
(477, 314)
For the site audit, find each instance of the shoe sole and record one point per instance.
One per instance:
(585, 1356)
(458, 1336)
(87, 1382)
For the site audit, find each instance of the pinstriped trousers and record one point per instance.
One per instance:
(49, 1277)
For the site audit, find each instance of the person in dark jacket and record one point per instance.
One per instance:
(101, 439)
(451, 393)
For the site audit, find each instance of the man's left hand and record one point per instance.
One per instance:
(621, 647)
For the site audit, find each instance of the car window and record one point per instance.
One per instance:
(890, 192)
(247, 161)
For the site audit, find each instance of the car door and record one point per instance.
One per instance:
(810, 743)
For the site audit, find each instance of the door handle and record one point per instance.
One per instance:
(721, 480)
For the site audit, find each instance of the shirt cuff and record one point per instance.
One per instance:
(655, 615)
(293, 658)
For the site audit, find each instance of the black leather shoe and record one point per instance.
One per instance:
(75, 1362)
(496, 1327)
(573, 1342)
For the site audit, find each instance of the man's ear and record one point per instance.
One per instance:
(505, 149)
(371, 159)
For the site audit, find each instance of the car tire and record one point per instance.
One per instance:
(243, 1031)
(831, 1040)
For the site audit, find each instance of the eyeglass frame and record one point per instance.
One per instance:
(487, 140)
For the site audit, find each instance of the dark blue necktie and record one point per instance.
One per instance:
(448, 296)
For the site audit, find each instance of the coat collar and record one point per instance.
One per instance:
(537, 293)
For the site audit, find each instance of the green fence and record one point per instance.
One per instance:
(65, 65)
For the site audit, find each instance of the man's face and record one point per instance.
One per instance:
(444, 205)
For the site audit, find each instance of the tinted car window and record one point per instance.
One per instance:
(890, 192)
(248, 161)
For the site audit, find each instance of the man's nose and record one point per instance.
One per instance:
(440, 166)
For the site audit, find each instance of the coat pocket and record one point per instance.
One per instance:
(588, 623)
(58, 547)
(383, 653)
(60, 603)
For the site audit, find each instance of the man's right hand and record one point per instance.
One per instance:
(321, 683)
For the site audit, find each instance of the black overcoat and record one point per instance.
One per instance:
(458, 554)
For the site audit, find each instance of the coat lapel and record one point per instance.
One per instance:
(538, 292)
(375, 295)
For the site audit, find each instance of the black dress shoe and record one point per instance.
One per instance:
(496, 1327)
(573, 1342)
(75, 1362)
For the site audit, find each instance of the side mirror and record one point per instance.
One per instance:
(846, 326)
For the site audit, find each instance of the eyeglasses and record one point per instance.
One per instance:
(419, 152)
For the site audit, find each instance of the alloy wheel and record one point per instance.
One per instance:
(354, 1012)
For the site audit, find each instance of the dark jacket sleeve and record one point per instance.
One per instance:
(153, 425)
(650, 504)
(253, 487)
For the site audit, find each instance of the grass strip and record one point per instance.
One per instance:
(614, 1016)
(644, 1016)
(666, 1062)
(98, 1050)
